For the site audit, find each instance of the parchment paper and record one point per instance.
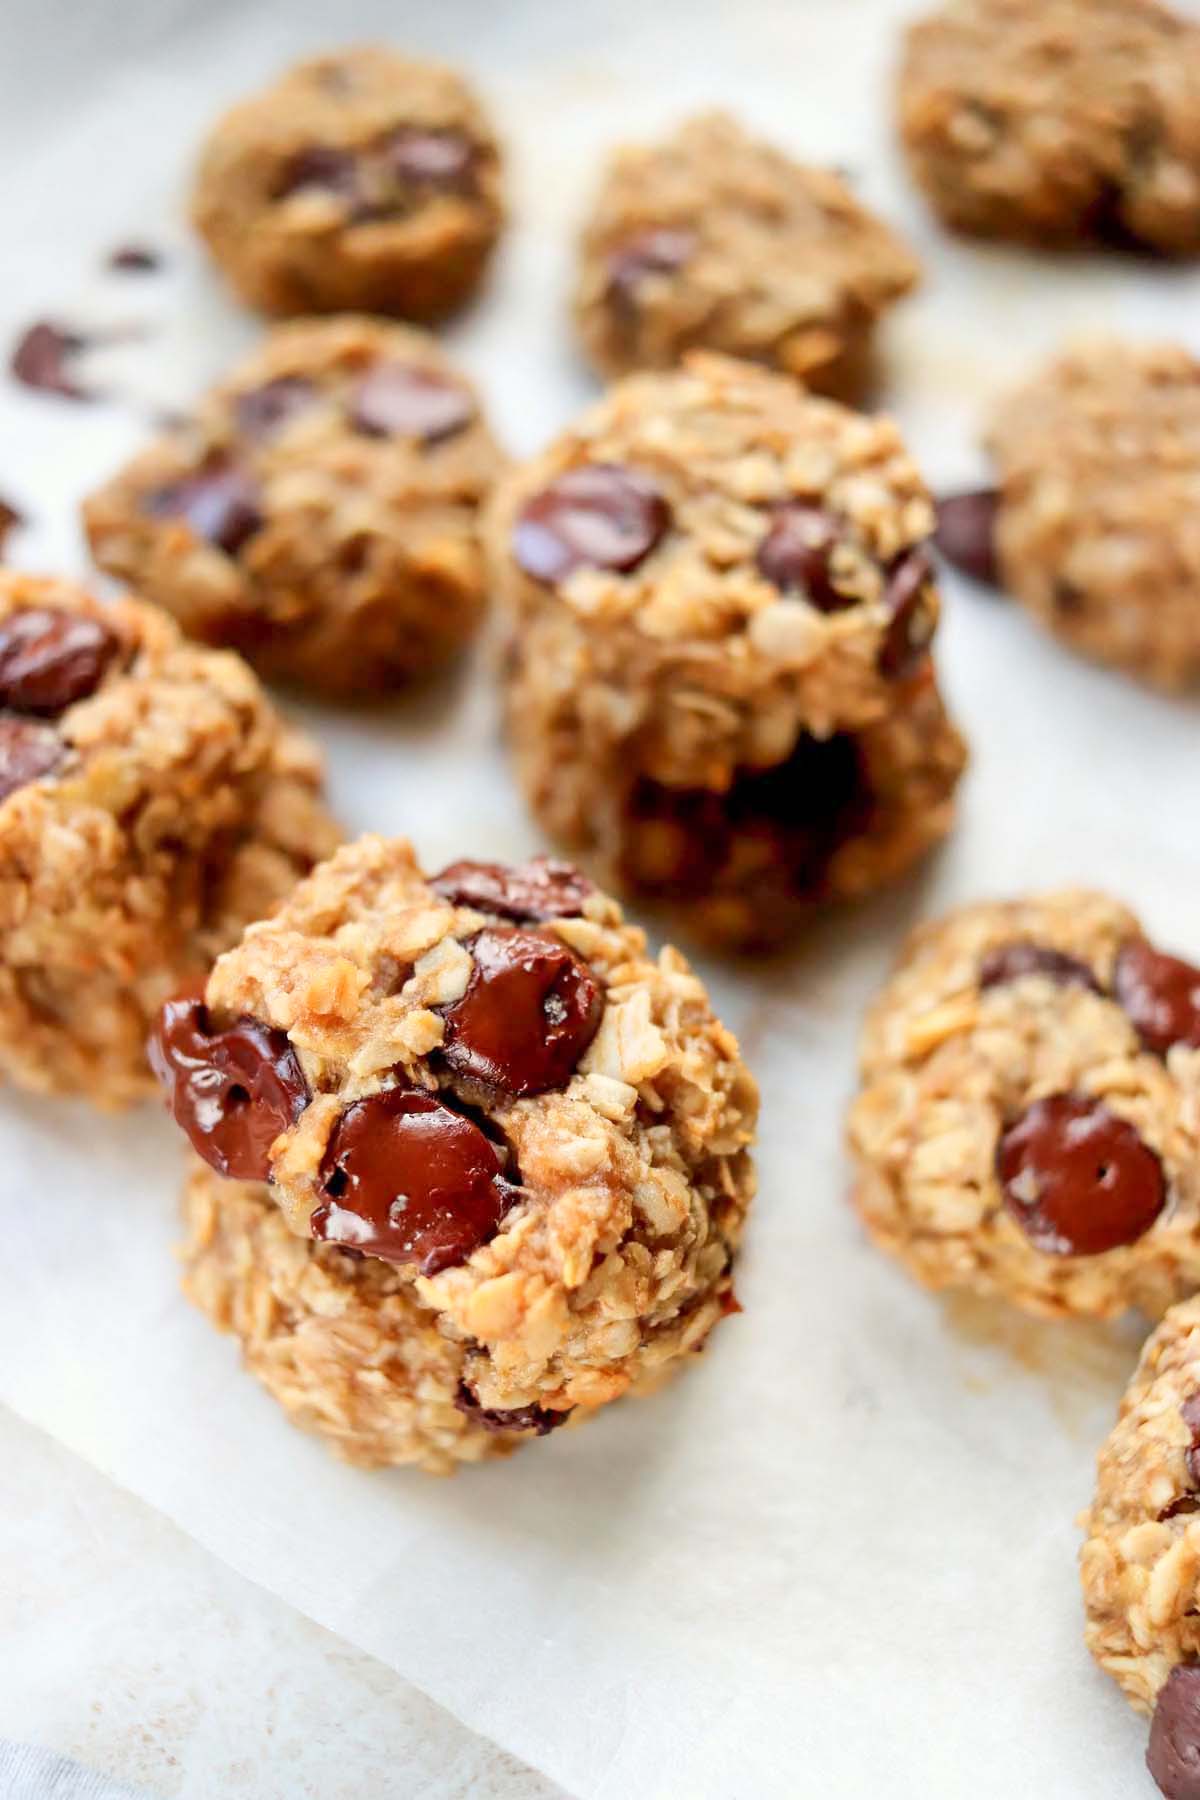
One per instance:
(838, 1558)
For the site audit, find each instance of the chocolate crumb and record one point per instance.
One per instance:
(11, 517)
(42, 358)
(135, 259)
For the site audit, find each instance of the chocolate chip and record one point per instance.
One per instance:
(543, 888)
(911, 613)
(220, 502)
(323, 167)
(42, 359)
(596, 516)
(966, 533)
(538, 1419)
(395, 399)
(443, 160)
(796, 555)
(262, 411)
(530, 1011)
(1078, 1179)
(407, 1178)
(1173, 1757)
(232, 1091)
(28, 751)
(1189, 1412)
(659, 250)
(1009, 962)
(49, 660)
(134, 259)
(11, 519)
(1161, 995)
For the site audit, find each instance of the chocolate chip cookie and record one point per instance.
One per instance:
(508, 1154)
(1027, 1123)
(1057, 121)
(720, 608)
(320, 511)
(361, 180)
(151, 805)
(1140, 1563)
(1091, 523)
(715, 240)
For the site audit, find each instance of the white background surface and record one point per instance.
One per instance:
(839, 1557)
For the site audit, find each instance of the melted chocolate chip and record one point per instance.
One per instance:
(11, 519)
(538, 1419)
(659, 250)
(1161, 995)
(540, 889)
(49, 660)
(262, 411)
(220, 502)
(966, 533)
(135, 259)
(232, 1091)
(596, 516)
(796, 556)
(28, 751)
(530, 1011)
(408, 1179)
(1009, 962)
(1189, 1412)
(1078, 1179)
(42, 359)
(323, 167)
(912, 617)
(442, 160)
(1173, 1757)
(395, 399)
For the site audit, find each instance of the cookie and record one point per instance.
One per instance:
(482, 1082)
(320, 511)
(715, 240)
(151, 805)
(1027, 1123)
(719, 607)
(1091, 522)
(1057, 121)
(1140, 1563)
(361, 181)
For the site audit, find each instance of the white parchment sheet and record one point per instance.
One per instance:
(838, 1558)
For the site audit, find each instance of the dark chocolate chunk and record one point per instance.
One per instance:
(395, 399)
(407, 1178)
(912, 615)
(262, 411)
(1078, 1179)
(320, 166)
(1008, 962)
(658, 250)
(796, 555)
(28, 751)
(42, 359)
(543, 888)
(597, 516)
(439, 160)
(49, 659)
(232, 1091)
(530, 1011)
(966, 533)
(220, 502)
(1173, 1757)
(539, 1420)
(1161, 995)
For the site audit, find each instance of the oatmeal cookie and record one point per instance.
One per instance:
(1057, 121)
(360, 181)
(151, 805)
(1093, 522)
(720, 609)
(714, 240)
(483, 1080)
(320, 511)
(1028, 1122)
(1140, 1563)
